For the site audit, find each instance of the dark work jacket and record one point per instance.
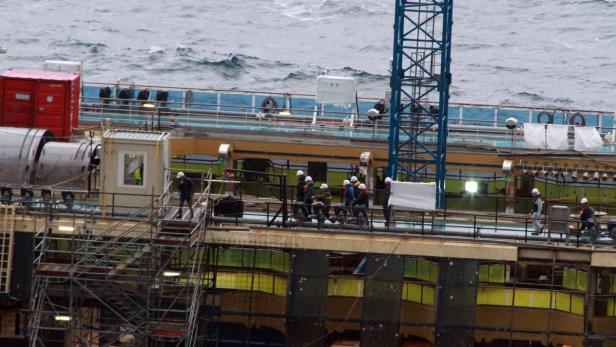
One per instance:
(537, 204)
(348, 194)
(186, 188)
(363, 199)
(587, 213)
(299, 187)
(386, 194)
(325, 197)
(308, 192)
(356, 188)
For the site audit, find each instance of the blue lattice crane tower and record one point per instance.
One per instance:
(420, 73)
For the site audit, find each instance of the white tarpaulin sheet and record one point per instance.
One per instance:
(558, 136)
(534, 135)
(336, 90)
(587, 139)
(413, 196)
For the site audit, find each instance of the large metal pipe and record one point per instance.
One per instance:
(65, 164)
(20, 149)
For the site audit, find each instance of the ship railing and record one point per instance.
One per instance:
(339, 125)
(480, 131)
(304, 104)
(460, 114)
(490, 224)
(246, 119)
(451, 224)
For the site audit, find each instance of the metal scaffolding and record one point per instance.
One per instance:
(7, 233)
(140, 282)
(420, 68)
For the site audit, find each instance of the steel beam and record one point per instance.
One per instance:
(420, 70)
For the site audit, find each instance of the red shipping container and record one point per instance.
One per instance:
(40, 99)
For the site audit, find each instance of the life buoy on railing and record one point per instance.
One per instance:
(269, 105)
(577, 119)
(548, 114)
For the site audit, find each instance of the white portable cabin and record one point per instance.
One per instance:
(134, 167)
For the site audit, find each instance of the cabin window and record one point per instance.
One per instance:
(132, 169)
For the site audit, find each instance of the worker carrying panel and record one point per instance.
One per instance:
(414, 196)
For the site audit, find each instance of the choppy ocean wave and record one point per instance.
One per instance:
(558, 52)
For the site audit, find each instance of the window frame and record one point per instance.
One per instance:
(122, 166)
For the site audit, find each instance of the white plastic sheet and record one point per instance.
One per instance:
(587, 139)
(413, 196)
(336, 90)
(534, 135)
(558, 136)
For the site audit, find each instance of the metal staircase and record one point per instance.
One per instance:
(140, 282)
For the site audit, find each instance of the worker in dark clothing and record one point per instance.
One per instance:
(308, 193)
(536, 213)
(325, 199)
(299, 187)
(587, 216)
(348, 193)
(187, 189)
(386, 208)
(362, 201)
(355, 182)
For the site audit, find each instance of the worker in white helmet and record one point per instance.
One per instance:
(299, 187)
(536, 213)
(324, 200)
(325, 195)
(386, 194)
(355, 182)
(587, 215)
(348, 193)
(308, 193)
(362, 200)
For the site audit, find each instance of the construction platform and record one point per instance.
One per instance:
(107, 275)
(150, 278)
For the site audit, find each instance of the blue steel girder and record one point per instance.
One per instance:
(420, 71)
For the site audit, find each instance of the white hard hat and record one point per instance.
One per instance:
(584, 201)
(308, 179)
(362, 186)
(353, 179)
(535, 191)
(299, 173)
(387, 180)
(346, 182)
(324, 186)
(180, 174)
